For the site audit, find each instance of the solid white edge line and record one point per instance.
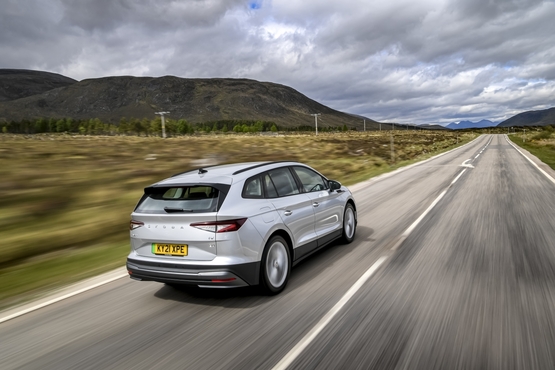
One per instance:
(529, 160)
(60, 298)
(309, 337)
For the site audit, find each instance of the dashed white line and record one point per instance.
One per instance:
(456, 178)
(311, 335)
(296, 351)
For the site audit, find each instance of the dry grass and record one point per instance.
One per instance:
(61, 194)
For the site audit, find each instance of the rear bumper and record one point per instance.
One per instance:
(200, 275)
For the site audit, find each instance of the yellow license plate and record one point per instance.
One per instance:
(170, 249)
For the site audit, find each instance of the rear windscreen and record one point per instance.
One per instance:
(180, 199)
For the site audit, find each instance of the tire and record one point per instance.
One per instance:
(349, 223)
(275, 265)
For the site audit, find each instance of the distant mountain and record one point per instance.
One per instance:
(469, 124)
(21, 83)
(196, 100)
(532, 118)
(433, 127)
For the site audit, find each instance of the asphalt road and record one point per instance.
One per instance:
(471, 287)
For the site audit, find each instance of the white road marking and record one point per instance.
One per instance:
(415, 223)
(65, 293)
(311, 335)
(464, 164)
(296, 351)
(477, 155)
(364, 184)
(456, 178)
(529, 160)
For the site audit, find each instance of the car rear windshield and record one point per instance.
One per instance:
(180, 199)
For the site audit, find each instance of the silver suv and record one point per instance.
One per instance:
(237, 225)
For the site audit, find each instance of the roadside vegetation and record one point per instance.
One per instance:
(149, 127)
(65, 199)
(540, 141)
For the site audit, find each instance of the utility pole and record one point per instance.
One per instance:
(315, 115)
(163, 122)
(392, 149)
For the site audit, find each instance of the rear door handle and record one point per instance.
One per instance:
(315, 204)
(287, 213)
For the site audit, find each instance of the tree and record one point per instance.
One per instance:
(171, 127)
(155, 127)
(225, 129)
(274, 128)
(97, 126)
(143, 126)
(41, 125)
(182, 127)
(60, 125)
(123, 126)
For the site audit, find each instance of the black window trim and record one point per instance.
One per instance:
(300, 183)
(247, 181)
(222, 188)
(261, 175)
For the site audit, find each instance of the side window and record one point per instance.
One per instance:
(283, 181)
(311, 180)
(253, 188)
(270, 188)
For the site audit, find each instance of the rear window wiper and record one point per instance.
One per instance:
(170, 210)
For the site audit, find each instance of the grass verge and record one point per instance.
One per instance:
(543, 149)
(34, 277)
(66, 200)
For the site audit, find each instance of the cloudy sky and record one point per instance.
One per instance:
(407, 61)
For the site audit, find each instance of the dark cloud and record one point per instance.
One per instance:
(421, 62)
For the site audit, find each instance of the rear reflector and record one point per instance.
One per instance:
(220, 226)
(222, 280)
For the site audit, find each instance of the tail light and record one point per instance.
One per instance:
(220, 226)
(135, 224)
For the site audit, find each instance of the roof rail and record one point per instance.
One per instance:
(256, 166)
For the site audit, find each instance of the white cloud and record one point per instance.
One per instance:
(420, 62)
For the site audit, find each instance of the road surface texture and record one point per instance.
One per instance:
(472, 286)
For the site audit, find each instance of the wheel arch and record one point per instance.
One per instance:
(285, 235)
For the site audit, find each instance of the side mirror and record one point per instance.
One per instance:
(334, 185)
